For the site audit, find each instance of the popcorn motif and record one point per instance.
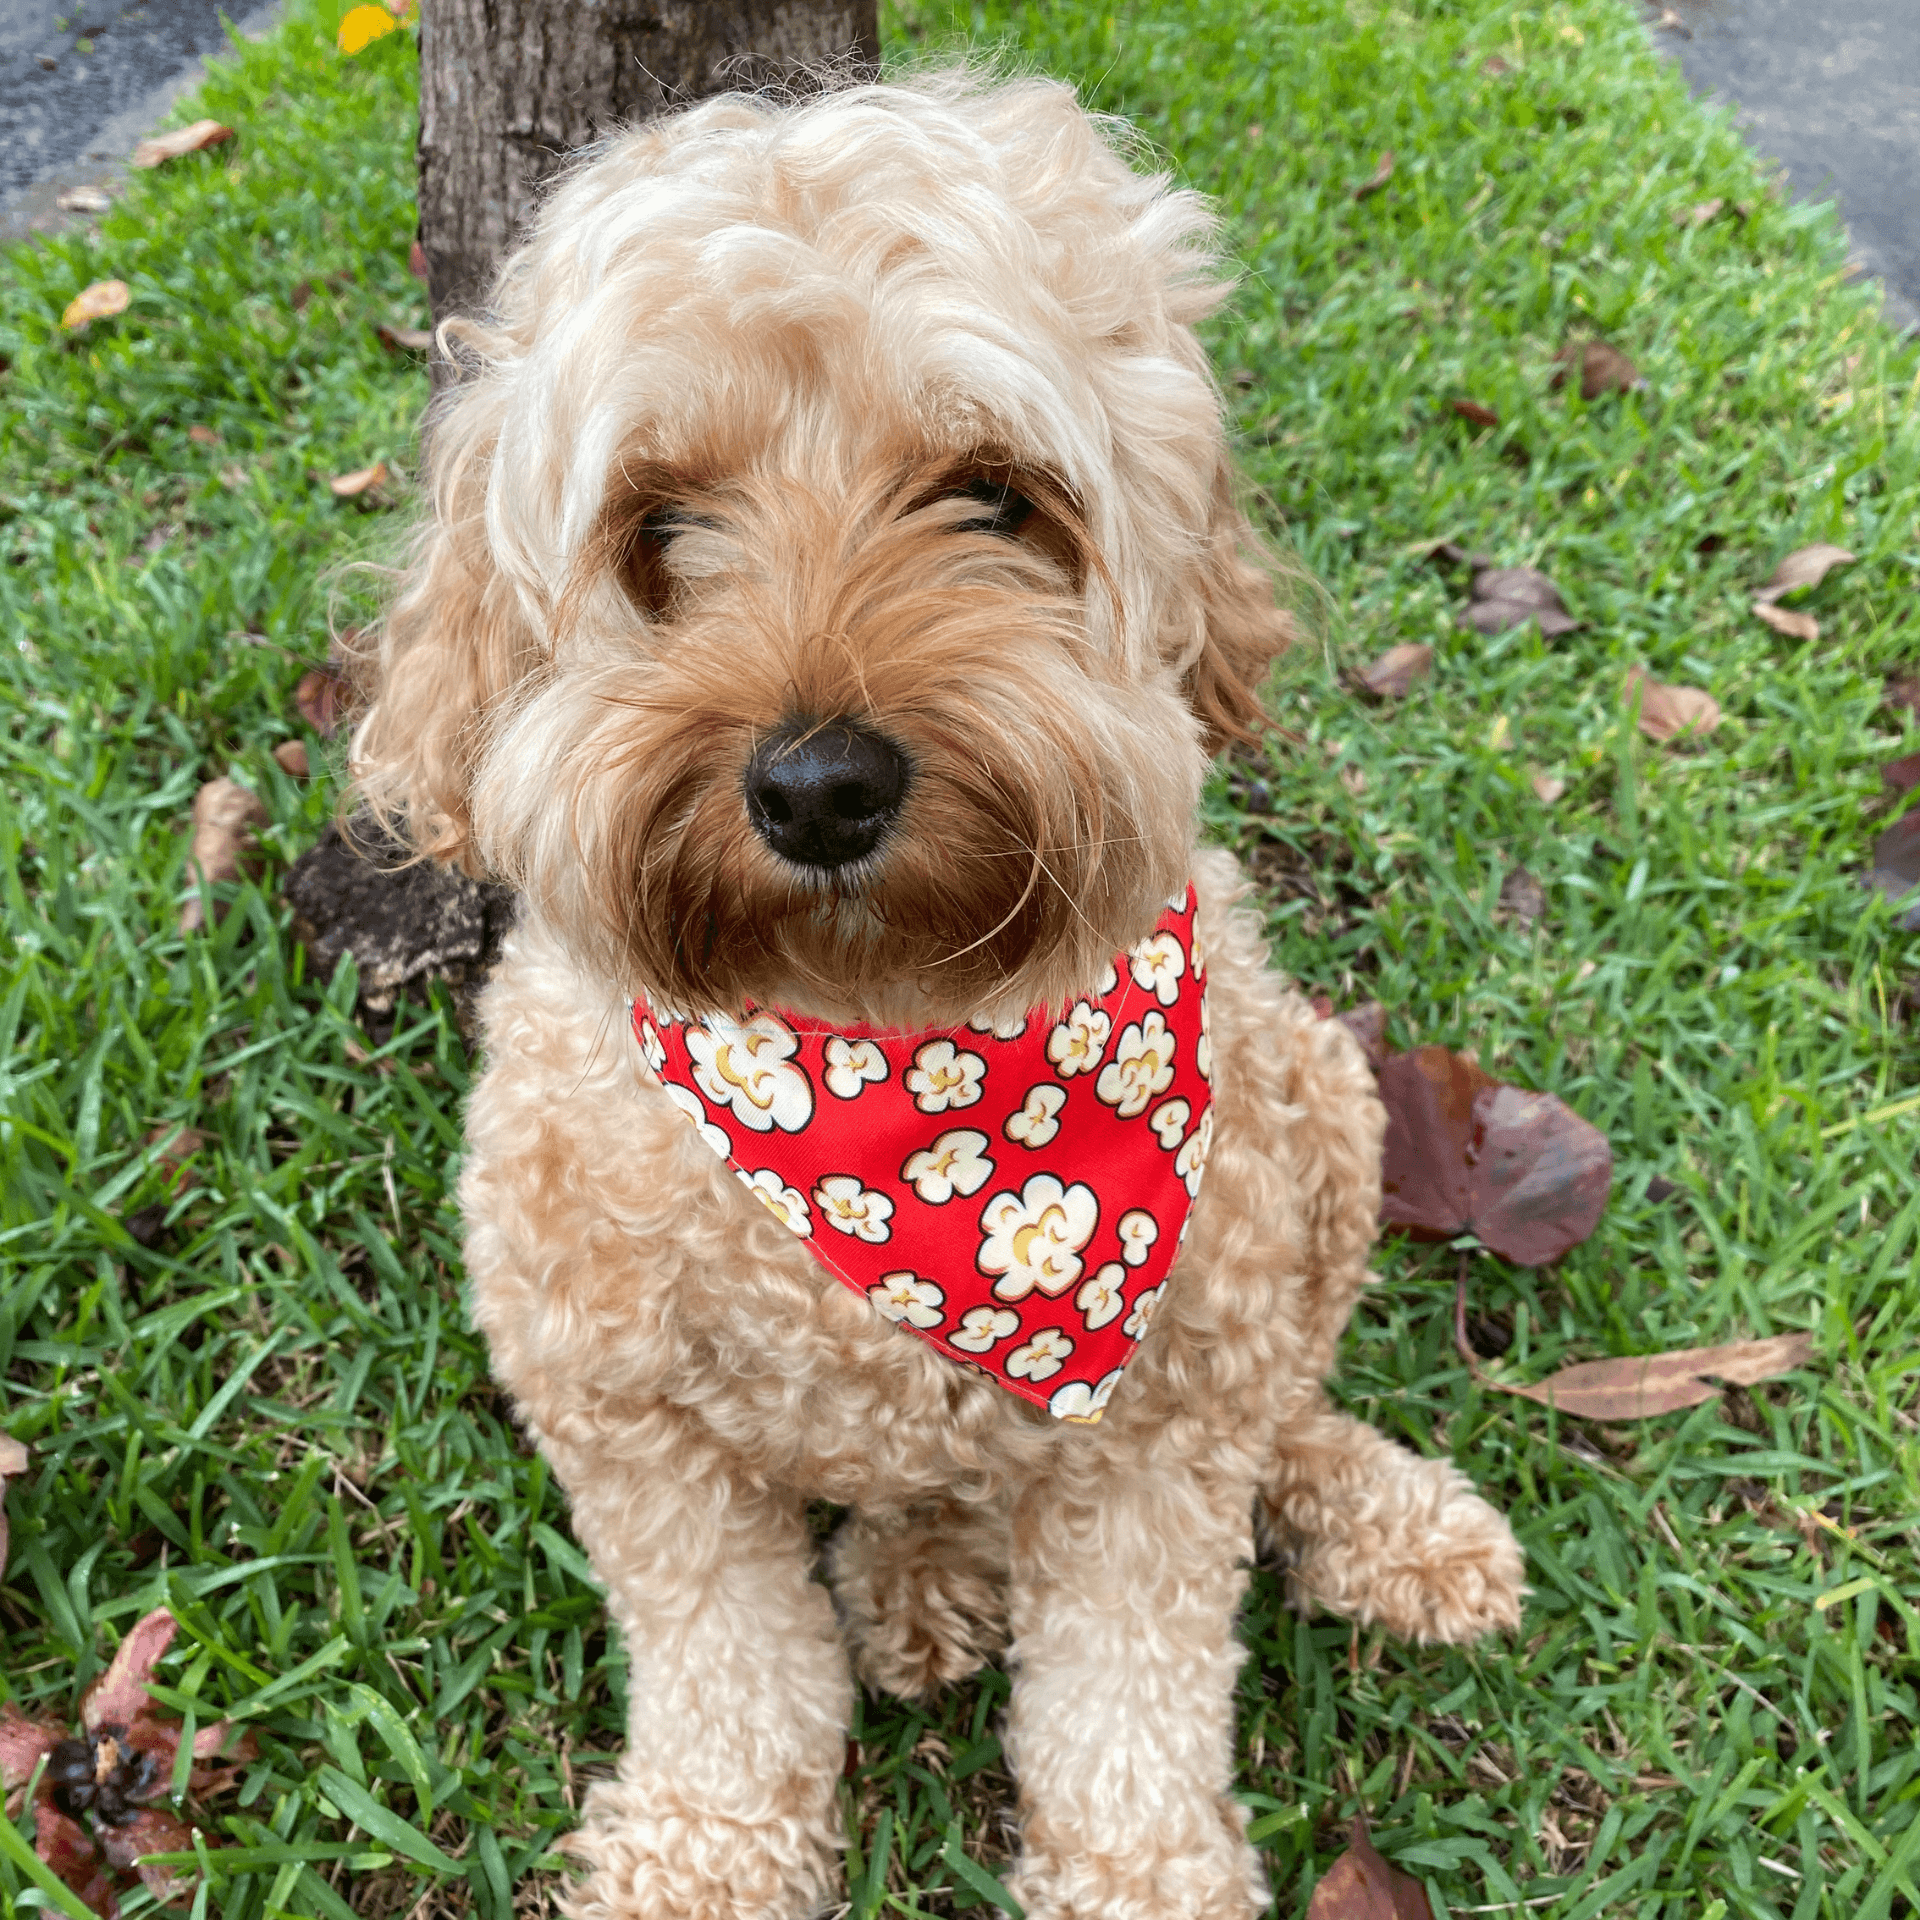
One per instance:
(930, 1225)
(1138, 1231)
(1142, 1066)
(955, 1163)
(852, 1066)
(906, 1297)
(1080, 1402)
(981, 1327)
(749, 1068)
(944, 1076)
(1037, 1120)
(1157, 964)
(1033, 1238)
(846, 1204)
(1042, 1357)
(1076, 1044)
(1103, 1298)
(689, 1104)
(786, 1205)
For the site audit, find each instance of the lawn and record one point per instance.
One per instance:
(265, 1410)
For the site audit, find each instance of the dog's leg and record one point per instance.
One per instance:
(1125, 1583)
(1380, 1534)
(922, 1592)
(724, 1808)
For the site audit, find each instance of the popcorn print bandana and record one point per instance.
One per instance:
(1015, 1197)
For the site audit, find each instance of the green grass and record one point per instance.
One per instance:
(277, 1422)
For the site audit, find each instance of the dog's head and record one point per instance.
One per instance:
(834, 586)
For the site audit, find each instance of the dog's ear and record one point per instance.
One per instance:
(455, 641)
(1245, 628)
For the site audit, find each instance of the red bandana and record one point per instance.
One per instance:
(1014, 1197)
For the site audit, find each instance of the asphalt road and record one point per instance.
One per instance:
(1831, 88)
(82, 80)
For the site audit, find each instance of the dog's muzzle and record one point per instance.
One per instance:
(823, 794)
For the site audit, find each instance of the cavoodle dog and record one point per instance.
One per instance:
(832, 593)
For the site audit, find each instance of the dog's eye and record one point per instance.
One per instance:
(1001, 509)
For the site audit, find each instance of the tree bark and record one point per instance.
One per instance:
(510, 88)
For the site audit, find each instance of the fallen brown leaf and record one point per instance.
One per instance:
(1603, 369)
(1796, 626)
(1523, 896)
(1902, 691)
(203, 436)
(83, 200)
(1547, 788)
(100, 301)
(1902, 775)
(292, 756)
(405, 339)
(177, 1146)
(1697, 216)
(348, 486)
(13, 1463)
(1495, 66)
(1505, 597)
(1472, 410)
(1361, 1885)
(1377, 179)
(1667, 713)
(1804, 567)
(1896, 866)
(325, 698)
(1648, 1384)
(224, 816)
(1393, 674)
(182, 140)
(1521, 1171)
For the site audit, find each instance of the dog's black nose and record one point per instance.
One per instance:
(823, 793)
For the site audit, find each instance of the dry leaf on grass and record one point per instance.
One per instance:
(1796, 626)
(177, 1147)
(1505, 597)
(1377, 179)
(404, 339)
(349, 486)
(13, 1463)
(1523, 896)
(1697, 216)
(1472, 410)
(224, 817)
(1494, 66)
(203, 436)
(325, 698)
(1603, 368)
(1670, 713)
(1361, 1885)
(1804, 567)
(1393, 674)
(1643, 1385)
(1896, 867)
(182, 140)
(83, 200)
(100, 301)
(1902, 692)
(361, 26)
(1902, 775)
(292, 756)
(1520, 1171)
(98, 1806)
(1547, 788)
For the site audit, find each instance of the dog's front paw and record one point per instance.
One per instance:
(654, 1858)
(1208, 1874)
(1433, 1562)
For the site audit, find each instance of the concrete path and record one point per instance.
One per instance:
(1832, 89)
(82, 80)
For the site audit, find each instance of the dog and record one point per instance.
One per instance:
(832, 593)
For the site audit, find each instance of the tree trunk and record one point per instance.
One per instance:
(510, 88)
